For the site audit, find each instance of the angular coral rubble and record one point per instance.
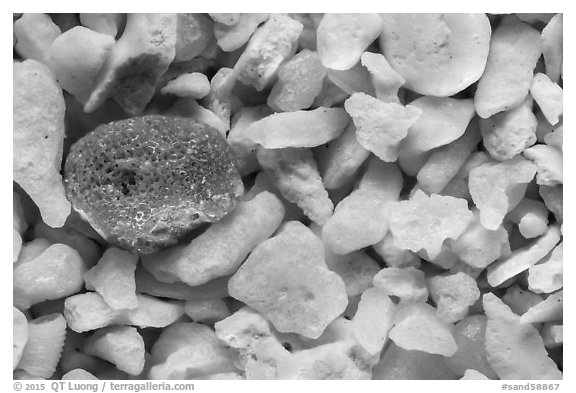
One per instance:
(233, 196)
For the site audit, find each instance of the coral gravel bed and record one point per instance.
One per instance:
(288, 196)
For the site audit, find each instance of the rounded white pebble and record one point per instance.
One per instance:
(437, 54)
(194, 85)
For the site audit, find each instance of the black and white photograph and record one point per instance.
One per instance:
(287, 196)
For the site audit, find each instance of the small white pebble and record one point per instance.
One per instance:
(206, 311)
(548, 161)
(194, 85)
(473, 374)
(548, 310)
(515, 48)
(385, 79)
(417, 327)
(78, 374)
(226, 19)
(525, 356)
(108, 24)
(46, 336)
(120, 345)
(523, 258)
(34, 34)
(373, 320)
(424, 222)
(552, 334)
(408, 284)
(453, 294)
(113, 278)
(548, 275)
(552, 40)
(548, 96)
(520, 300)
(531, 217)
(341, 38)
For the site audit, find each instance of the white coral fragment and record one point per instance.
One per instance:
(548, 310)
(548, 160)
(523, 258)
(38, 138)
(478, 247)
(514, 349)
(509, 133)
(258, 350)
(78, 374)
(42, 352)
(341, 159)
(446, 161)
(408, 284)
(136, 63)
(453, 294)
(245, 149)
(194, 85)
(548, 96)
(19, 335)
(444, 55)
(341, 38)
(233, 36)
(295, 173)
(113, 278)
(531, 216)
(373, 320)
(206, 310)
(380, 126)
(286, 276)
(76, 58)
(442, 121)
(359, 220)
(393, 255)
(515, 48)
(54, 274)
(188, 107)
(299, 82)
(226, 19)
(520, 300)
(553, 199)
(552, 40)
(270, 46)
(34, 33)
(188, 350)
(220, 100)
(108, 24)
(356, 269)
(194, 36)
(552, 334)
(355, 80)
(496, 188)
(555, 137)
(120, 345)
(222, 248)
(417, 327)
(89, 311)
(547, 276)
(471, 374)
(298, 129)
(385, 79)
(424, 222)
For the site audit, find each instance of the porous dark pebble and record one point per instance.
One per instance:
(144, 182)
